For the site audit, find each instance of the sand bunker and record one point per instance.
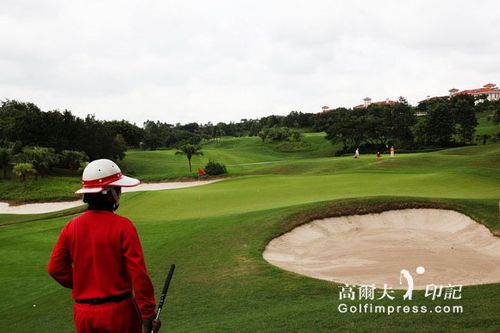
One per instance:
(48, 207)
(374, 248)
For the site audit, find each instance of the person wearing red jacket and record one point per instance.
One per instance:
(99, 256)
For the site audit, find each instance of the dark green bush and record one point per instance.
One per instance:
(214, 168)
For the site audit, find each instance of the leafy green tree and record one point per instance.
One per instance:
(219, 132)
(464, 115)
(21, 122)
(439, 125)
(24, 170)
(5, 158)
(42, 159)
(295, 136)
(402, 120)
(158, 134)
(72, 159)
(419, 131)
(263, 133)
(493, 107)
(180, 137)
(118, 147)
(280, 134)
(496, 117)
(483, 138)
(254, 128)
(189, 150)
(349, 127)
(271, 121)
(97, 139)
(154, 134)
(297, 119)
(377, 120)
(131, 133)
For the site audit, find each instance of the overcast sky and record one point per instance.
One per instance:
(183, 61)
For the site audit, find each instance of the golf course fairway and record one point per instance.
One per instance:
(216, 235)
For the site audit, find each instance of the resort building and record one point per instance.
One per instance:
(367, 101)
(490, 90)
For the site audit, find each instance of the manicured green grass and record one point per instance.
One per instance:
(222, 284)
(485, 126)
(50, 188)
(216, 234)
(239, 154)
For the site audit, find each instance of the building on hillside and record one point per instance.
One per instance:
(490, 90)
(367, 101)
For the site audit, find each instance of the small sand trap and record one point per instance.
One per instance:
(374, 248)
(48, 207)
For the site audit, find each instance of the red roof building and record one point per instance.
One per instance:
(368, 101)
(490, 90)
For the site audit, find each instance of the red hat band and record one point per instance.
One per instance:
(102, 181)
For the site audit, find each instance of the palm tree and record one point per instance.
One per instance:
(189, 150)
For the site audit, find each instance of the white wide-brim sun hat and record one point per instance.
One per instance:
(103, 173)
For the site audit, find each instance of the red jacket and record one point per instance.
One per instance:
(98, 254)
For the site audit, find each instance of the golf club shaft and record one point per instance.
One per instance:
(164, 292)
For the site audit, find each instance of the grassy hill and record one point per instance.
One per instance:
(239, 154)
(485, 126)
(216, 234)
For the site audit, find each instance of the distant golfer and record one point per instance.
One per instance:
(378, 155)
(392, 151)
(356, 153)
(99, 256)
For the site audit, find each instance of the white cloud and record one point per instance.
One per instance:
(226, 60)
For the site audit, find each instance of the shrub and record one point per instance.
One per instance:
(72, 160)
(41, 158)
(214, 168)
(24, 170)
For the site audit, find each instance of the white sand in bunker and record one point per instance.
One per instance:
(374, 248)
(48, 207)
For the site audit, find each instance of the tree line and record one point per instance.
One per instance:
(25, 125)
(34, 142)
(27, 133)
(163, 135)
(443, 122)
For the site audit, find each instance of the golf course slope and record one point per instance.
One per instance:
(48, 207)
(374, 248)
